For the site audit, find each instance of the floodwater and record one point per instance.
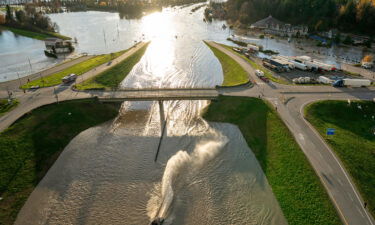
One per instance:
(104, 32)
(22, 55)
(204, 174)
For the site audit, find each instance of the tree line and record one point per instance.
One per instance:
(129, 9)
(29, 19)
(346, 15)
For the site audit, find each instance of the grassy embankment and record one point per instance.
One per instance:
(297, 188)
(6, 107)
(233, 73)
(111, 78)
(41, 35)
(32, 144)
(354, 139)
(267, 73)
(79, 69)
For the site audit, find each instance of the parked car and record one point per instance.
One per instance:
(259, 73)
(367, 65)
(34, 87)
(265, 79)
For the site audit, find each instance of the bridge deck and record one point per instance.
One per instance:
(157, 95)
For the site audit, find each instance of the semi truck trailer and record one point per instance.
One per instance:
(352, 83)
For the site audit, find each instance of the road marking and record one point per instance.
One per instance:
(320, 154)
(301, 137)
(359, 210)
(339, 180)
(335, 158)
(351, 198)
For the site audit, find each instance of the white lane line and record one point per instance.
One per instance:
(359, 210)
(334, 157)
(320, 154)
(351, 198)
(339, 180)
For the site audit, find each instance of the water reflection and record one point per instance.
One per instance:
(205, 173)
(17, 51)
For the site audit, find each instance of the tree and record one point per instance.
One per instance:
(21, 16)
(337, 38)
(9, 14)
(348, 40)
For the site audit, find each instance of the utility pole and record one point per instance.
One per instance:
(57, 97)
(105, 41)
(18, 75)
(31, 68)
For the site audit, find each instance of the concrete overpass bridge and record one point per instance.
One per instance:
(155, 94)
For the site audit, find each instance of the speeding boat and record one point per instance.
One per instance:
(157, 221)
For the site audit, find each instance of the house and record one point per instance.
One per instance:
(58, 45)
(329, 34)
(271, 25)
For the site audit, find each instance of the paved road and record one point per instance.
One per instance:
(364, 72)
(15, 84)
(43, 96)
(105, 66)
(335, 179)
(289, 101)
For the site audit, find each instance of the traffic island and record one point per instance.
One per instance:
(6, 105)
(111, 78)
(297, 188)
(31, 145)
(78, 69)
(234, 74)
(349, 129)
(267, 73)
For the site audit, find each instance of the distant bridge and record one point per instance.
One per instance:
(156, 94)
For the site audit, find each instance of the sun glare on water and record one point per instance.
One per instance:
(159, 29)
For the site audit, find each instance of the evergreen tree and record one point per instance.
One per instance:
(9, 14)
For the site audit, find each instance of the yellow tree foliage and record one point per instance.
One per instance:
(2, 19)
(367, 58)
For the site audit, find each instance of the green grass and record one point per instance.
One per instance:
(79, 69)
(32, 144)
(112, 77)
(233, 73)
(267, 73)
(354, 140)
(297, 188)
(6, 107)
(36, 35)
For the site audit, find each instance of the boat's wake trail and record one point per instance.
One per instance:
(179, 164)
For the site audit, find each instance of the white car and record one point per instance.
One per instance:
(259, 73)
(367, 65)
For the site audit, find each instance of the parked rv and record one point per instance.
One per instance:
(324, 80)
(251, 47)
(299, 65)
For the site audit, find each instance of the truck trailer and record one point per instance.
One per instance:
(352, 83)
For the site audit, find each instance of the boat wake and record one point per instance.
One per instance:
(159, 205)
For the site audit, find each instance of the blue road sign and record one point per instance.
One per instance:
(330, 131)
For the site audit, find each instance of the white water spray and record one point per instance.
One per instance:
(204, 152)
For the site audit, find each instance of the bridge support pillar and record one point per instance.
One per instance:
(163, 123)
